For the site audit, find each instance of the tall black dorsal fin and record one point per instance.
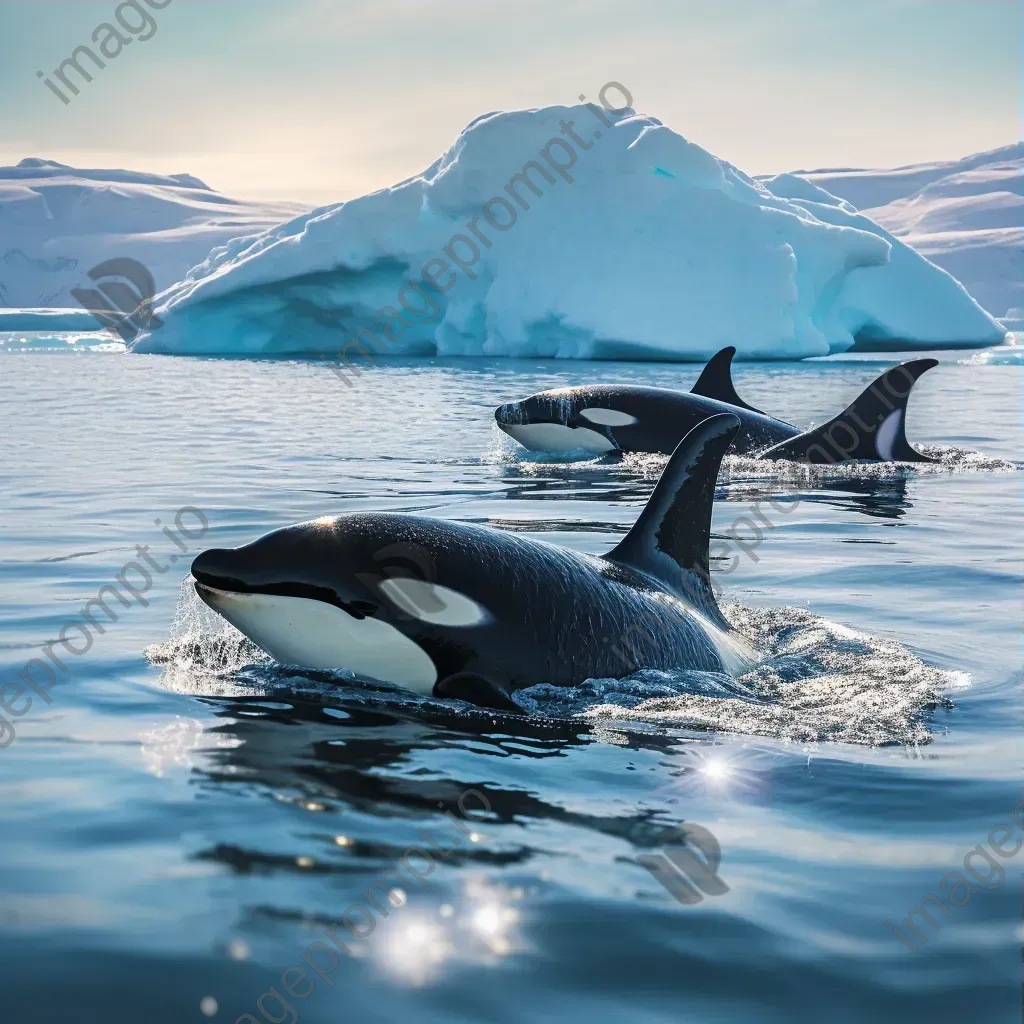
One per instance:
(873, 427)
(715, 380)
(670, 539)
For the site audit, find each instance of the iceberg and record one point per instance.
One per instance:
(572, 232)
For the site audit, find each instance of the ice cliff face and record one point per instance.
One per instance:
(577, 233)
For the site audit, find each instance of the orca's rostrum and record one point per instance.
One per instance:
(608, 418)
(475, 613)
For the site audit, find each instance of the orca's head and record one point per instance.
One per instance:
(569, 418)
(345, 592)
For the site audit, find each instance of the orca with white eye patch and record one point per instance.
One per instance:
(467, 611)
(609, 418)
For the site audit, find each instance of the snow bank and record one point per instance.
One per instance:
(967, 216)
(58, 222)
(568, 232)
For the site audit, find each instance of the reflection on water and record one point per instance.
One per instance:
(179, 828)
(877, 489)
(881, 498)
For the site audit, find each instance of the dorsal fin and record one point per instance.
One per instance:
(670, 539)
(872, 427)
(715, 380)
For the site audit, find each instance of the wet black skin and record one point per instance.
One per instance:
(663, 417)
(554, 615)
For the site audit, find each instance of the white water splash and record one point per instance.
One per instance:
(819, 681)
(650, 466)
(59, 341)
(742, 468)
(1005, 355)
(204, 652)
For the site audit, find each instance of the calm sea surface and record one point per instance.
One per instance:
(179, 826)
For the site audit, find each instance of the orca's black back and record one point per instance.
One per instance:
(555, 615)
(664, 418)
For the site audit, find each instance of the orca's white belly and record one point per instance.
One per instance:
(301, 631)
(555, 437)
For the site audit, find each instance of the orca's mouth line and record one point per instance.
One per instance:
(525, 421)
(509, 415)
(228, 584)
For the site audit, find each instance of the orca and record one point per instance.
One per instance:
(715, 380)
(613, 418)
(471, 612)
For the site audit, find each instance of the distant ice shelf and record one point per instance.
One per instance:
(58, 222)
(965, 215)
(47, 320)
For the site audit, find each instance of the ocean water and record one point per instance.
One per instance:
(183, 819)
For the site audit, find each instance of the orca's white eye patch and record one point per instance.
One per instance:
(430, 602)
(608, 417)
(885, 436)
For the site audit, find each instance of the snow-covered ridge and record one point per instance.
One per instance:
(36, 168)
(869, 189)
(967, 216)
(646, 246)
(58, 222)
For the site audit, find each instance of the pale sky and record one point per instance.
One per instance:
(323, 100)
